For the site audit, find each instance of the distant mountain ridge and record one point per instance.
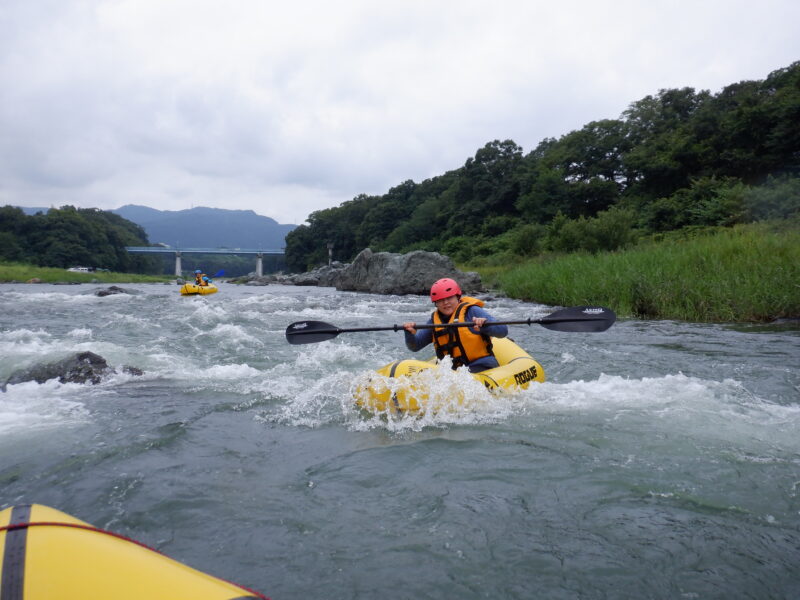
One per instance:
(32, 210)
(203, 227)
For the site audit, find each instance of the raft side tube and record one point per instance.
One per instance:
(192, 289)
(48, 554)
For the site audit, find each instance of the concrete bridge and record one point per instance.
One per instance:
(179, 251)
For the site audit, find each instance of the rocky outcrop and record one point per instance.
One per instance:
(325, 276)
(412, 273)
(379, 273)
(80, 367)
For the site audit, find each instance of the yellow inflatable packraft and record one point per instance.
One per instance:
(46, 554)
(517, 369)
(192, 289)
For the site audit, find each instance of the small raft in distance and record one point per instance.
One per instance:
(516, 371)
(47, 554)
(192, 289)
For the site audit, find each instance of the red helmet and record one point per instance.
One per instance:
(444, 288)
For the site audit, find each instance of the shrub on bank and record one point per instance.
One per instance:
(747, 273)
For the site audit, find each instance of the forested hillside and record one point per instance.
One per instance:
(69, 237)
(680, 158)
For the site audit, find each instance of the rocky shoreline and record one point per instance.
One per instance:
(377, 273)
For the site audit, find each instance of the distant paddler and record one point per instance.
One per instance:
(202, 285)
(201, 278)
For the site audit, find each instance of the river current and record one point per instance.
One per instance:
(659, 460)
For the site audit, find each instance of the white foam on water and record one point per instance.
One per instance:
(204, 312)
(689, 406)
(80, 334)
(29, 408)
(311, 405)
(325, 356)
(22, 336)
(317, 313)
(230, 372)
(156, 362)
(54, 298)
(239, 378)
(724, 411)
(231, 337)
(21, 348)
(134, 320)
(319, 389)
(269, 301)
(309, 391)
(453, 398)
(24, 348)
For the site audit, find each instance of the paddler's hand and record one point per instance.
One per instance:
(410, 327)
(478, 323)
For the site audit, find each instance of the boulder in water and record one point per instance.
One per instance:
(80, 367)
(112, 290)
(412, 273)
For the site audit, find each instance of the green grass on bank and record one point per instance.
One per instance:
(744, 274)
(20, 272)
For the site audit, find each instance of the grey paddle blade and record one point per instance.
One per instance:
(580, 319)
(309, 332)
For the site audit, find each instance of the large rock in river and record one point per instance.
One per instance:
(412, 273)
(112, 290)
(80, 367)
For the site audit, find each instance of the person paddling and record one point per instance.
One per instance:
(468, 346)
(201, 278)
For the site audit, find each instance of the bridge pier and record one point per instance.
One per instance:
(178, 271)
(260, 265)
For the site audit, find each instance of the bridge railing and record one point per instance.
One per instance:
(162, 250)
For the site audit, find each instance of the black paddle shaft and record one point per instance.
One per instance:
(575, 319)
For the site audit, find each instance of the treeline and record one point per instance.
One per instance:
(677, 159)
(68, 237)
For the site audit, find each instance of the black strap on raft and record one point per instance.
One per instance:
(14, 554)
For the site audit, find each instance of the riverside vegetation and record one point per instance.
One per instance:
(748, 273)
(23, 272)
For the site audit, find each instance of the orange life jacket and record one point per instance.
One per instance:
(461, 343)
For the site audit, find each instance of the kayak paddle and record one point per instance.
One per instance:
(574, 319)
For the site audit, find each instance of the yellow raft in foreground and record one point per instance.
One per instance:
(46, 554)
(517, 369)
(192, 289)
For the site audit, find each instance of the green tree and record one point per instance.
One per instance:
(68, 237)
(661, 155)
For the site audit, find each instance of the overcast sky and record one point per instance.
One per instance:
(290, 107)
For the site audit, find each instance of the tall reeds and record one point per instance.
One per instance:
(744, 274)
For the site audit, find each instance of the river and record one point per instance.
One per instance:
(659, 460)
